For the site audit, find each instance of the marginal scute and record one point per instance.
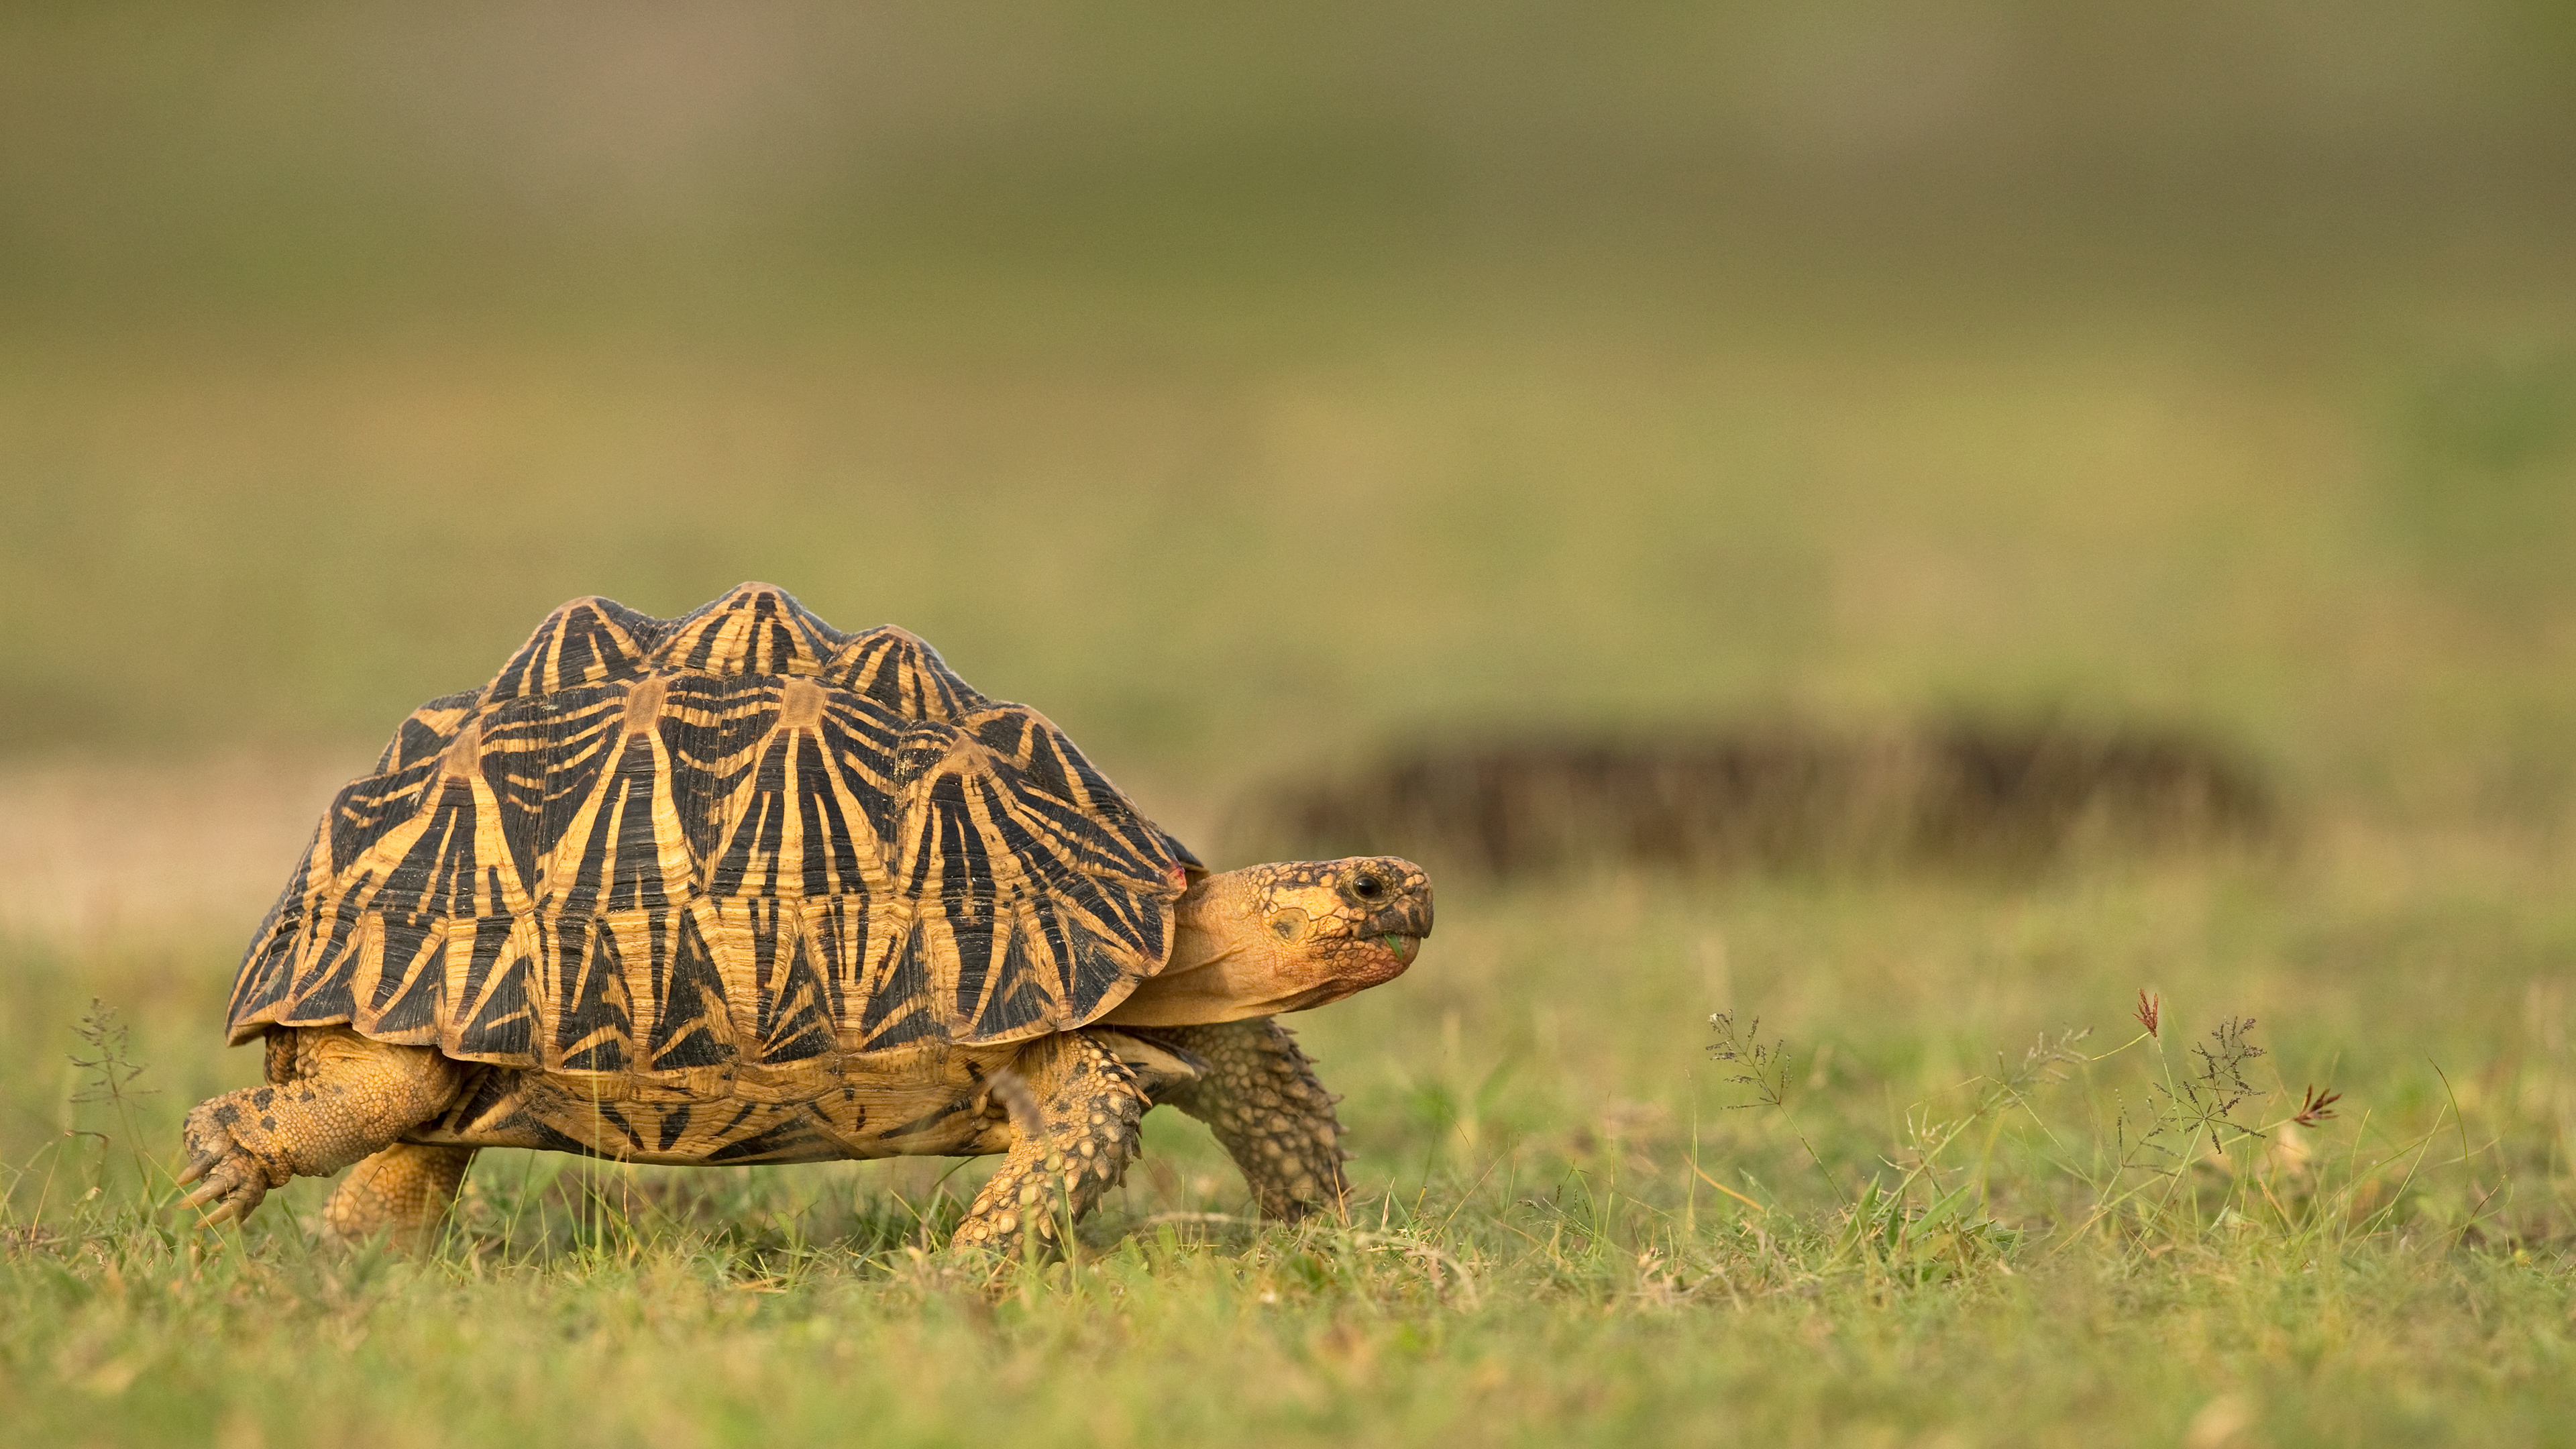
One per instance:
(650, 850)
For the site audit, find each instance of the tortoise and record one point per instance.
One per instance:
(740, 888)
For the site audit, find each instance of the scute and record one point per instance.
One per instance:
(673, 849)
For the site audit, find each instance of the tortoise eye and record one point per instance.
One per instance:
(1367, 887)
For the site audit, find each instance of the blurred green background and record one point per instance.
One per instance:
(1242, 385)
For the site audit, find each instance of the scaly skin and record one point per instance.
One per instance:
(1259, 1097)
(403, 1192)
(347, 1098)
(1075, 1107)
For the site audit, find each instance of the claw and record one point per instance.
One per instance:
(195, 1169)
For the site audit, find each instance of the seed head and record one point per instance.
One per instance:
(2315, 1106)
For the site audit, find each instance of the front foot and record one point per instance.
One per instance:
(1260, 1099)
(232, 1178)
(1075, 1108)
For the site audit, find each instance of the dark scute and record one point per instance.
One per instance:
(690, 1029)
(505, 1026)
(1004, 731)
(838, 931)
(773, 634)
(974, 940)
(577, 644)
(607, 1112)
(413, 1016)
(1019, 998)
(675, 1121)
(761, 832)
(366, 809)
(857, 767)
(550, 1139)
(898, 1010)
(708, 759)
(1098, 966)
(495, 1098)
(792, 1138)
(590, 650)
(333, 958)
(596, 1003)
(436, 876)
(831, 861)
(608, 1054)
(452, 889)
(900, 674)
(634, 853)
(265, 976)
(542, 759)
(795, 1014)
(647, 631)
(490, 936)
(267, 966)
(408, 936)
(416, 742)
(325, 994)
(917, 752)
(426, 733)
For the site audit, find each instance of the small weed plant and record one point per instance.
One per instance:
(2139, 1148)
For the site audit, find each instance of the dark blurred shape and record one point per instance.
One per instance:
(1778, 797)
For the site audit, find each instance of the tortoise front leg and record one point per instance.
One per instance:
(343, 1098)
(1260, 1099)
(1075, 1109)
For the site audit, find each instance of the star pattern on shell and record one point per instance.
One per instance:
(738, 838)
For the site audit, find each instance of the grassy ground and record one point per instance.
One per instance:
(1245, 398)
(1573, 1224)
(1570, 1226)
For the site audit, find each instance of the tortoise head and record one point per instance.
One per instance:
(1284, 937)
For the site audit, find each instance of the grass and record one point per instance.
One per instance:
(1573, 1223)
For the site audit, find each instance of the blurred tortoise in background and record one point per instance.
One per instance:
(740, 888)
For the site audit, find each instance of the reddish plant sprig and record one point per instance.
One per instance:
(2315, 1107)
(2150, 1009)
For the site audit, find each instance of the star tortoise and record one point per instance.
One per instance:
(739, 888)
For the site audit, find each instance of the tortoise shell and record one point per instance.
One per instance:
(739, 838)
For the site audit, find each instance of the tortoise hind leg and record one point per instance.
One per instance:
(403, 1192)
(1075, 1108)
(1259, 1098)
(341, 1098)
